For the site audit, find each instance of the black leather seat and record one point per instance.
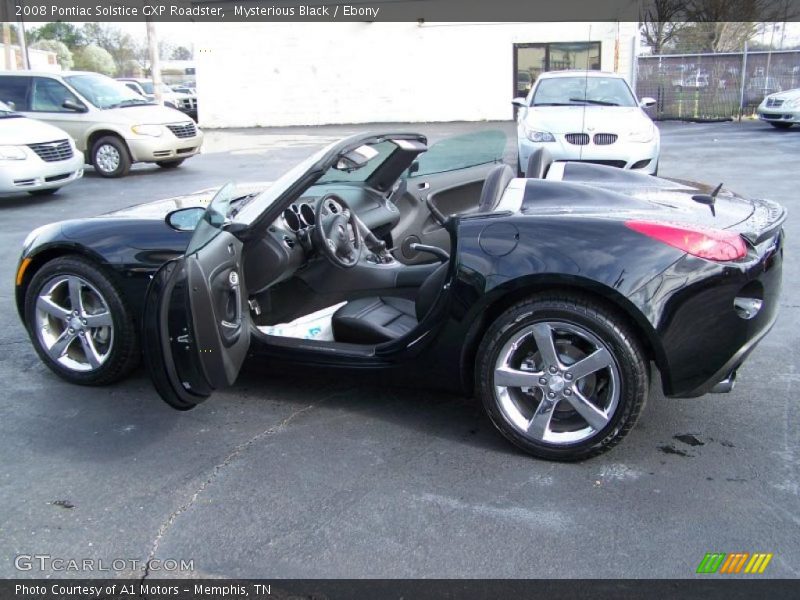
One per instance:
(496, 183)
(538, 164)
(384, 318)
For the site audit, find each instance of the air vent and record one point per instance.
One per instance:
(288, 241)
(333, 207)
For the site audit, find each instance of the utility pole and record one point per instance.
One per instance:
(155, 62)
(23, 44)
(5, 17)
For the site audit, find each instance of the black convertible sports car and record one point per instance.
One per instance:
(549, 297)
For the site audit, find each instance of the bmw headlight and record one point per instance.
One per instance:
(12, 153)
(642, 135)
(148, 130)
(539, 136)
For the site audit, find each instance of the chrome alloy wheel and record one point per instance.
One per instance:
(107, 158)
(73, 323)
(556, 382)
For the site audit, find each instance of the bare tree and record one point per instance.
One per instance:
(662, 21)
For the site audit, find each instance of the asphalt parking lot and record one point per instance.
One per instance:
(315, 475)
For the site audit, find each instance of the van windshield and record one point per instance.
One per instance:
(104, 92)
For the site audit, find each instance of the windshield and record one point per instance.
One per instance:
(361, 174)
(104, 92)
(568, 91)
(214, 218)
(252, 210)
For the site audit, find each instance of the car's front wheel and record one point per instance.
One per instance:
(781, 125)
(110, 157)
(562, 377)
(79, 324)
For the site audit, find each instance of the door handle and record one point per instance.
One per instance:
(233, 283)
(424, 186)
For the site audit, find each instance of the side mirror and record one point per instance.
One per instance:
(185, 219)
(647, 102)
(74, 106)
(521, 102)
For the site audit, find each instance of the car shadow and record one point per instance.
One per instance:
(450, 416)
(115, 423)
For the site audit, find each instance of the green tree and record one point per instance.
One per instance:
(94, 58)
(63, 54)
(68, 33)
(181, 53)
(119, 44)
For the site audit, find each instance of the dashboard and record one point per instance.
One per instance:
(287, 246)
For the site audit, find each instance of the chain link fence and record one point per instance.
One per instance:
(712, 87)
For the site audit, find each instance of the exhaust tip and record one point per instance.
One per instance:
(726, 385)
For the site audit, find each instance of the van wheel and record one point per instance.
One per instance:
(110, 157)
(170, 164)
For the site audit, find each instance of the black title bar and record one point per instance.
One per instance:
(399, 10)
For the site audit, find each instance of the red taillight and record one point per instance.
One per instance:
(711, 244)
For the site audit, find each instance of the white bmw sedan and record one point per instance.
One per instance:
(35, 157)
(587, 116)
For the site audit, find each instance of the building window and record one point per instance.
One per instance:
(531, 60)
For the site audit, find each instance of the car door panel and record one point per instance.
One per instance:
(451, 174)
(453, 192)
(196, 315)
(197, 323)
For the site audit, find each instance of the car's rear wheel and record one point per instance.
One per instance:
(781, 125)
(170, 164)
(79, 324)
(110, 157)
(562, 377)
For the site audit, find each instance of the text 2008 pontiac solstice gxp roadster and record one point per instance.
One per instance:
(548, 297)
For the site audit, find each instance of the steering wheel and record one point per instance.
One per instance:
(336, 234)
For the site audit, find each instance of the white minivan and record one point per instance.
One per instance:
(112, 125)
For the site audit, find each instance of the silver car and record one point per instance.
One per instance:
(35, 157)
(112, 125)
(781, 110)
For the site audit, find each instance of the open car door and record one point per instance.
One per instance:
(451, 173)
(196, 317)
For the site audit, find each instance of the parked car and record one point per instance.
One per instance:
(691, 81)
(548, 298)
(183, 101)
(35, 157)
(184, 89)
(781, 110)
(587, 116)
(112, 125)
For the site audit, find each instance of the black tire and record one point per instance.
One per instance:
(170, 164)
(123, 355)
(655, 172)
(123, 157)
(608, 326)
(47, 192)
(781, 125)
